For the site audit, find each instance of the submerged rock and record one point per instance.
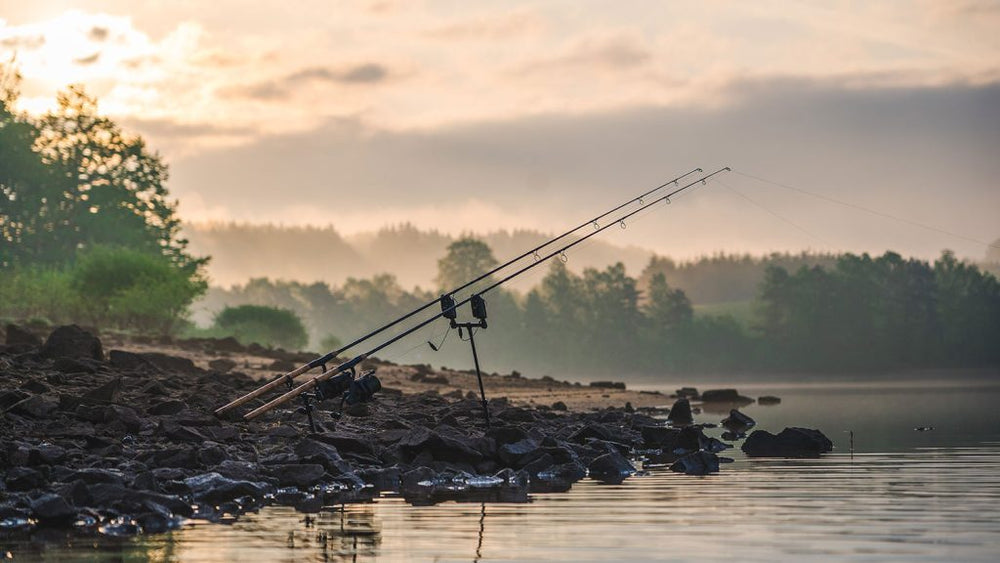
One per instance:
(790, 442)
(697, 463)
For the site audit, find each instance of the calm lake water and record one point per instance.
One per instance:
(903, 495)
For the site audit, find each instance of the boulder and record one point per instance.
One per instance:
(724, 396)
(72, 341)
(17, 336)
(738, 422)
(611, 466)
(37, 406)
(52, 509)
(790, 442)
(680, 412)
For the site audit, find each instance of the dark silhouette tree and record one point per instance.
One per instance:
(467, 259)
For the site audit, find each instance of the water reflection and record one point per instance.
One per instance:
(904, 495)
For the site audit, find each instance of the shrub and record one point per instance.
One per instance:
(268, 326)
(330, 343)
(37, 293)
(133, 290)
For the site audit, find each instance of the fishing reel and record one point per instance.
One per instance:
(351, 390)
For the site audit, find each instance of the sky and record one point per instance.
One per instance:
(857, 126)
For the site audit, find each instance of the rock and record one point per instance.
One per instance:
(313, 452)
(790, 442)
(222, 365)
(169, 363)
(179, 433)
(687, 393)
(608, 384)
(724, 396)
(11, 397)
(168, 407)
(559, 406)
(768, 400)
(610, 466)
(23, 479)
(214, 488)
(210, 454)
(441, 448)
(516, 453)
(72, 341)
(697, 463)
(46, 454)
(36, 406)
(17, 336)
(95, 475)
(130, 361)
(75, 365)
(107, 393)
(300, 475)
(238, 470)
(591, 431)
(738, 422)
(680, 413)
(52, 509)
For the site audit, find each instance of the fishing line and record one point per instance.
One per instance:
(867, 210)
(773, 213)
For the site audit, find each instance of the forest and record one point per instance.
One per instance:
(89, 235)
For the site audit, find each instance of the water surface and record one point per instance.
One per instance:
(901, 495)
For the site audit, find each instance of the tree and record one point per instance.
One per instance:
(467, 259)
(98, 186)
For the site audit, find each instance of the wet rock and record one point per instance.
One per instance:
(697, 463)
(438, 447)
(410, 480)
(71, 341)
(680, 413)
(382, 478)
(610, 466)
(790, 442)
(297, 474)
(52, 509)
(687, 393)
(214, 488)
(134, 501)
(768, 400)
(238, 470)
(591, 431)
(517, 453)
(17, 336)
(37, 406)
(738, 423)
(46, 454)
(24, 479)
(724, 396)
(168, 407)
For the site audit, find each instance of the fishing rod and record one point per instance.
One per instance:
(449, 309)
(323, 360)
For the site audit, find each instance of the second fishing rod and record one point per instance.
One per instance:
(322, 361)
(452, 306)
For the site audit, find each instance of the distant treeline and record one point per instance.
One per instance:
(242, 251)
(828, 313)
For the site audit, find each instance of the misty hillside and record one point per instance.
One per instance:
(241, 251)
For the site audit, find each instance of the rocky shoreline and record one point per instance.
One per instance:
(125, 442)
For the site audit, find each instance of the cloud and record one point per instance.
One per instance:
(491, 27)
(611, 52)
(17, 42)
(921, 153)
(285, 87)
(98, 33)
(89, 60)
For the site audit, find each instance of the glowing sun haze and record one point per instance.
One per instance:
(483, 115)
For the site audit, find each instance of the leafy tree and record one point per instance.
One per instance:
(87, 183)
(467, 259)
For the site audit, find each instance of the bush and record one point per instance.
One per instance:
(36, 293)
(133, 290)
(330, 343)
(268, 326)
